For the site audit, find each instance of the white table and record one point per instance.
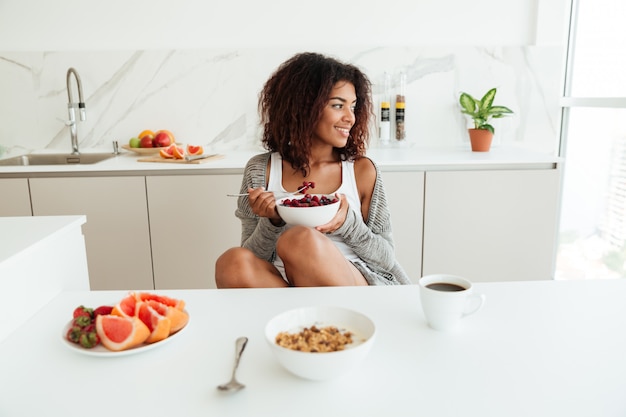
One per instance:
(538, 348)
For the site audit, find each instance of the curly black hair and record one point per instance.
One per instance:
(293, 99)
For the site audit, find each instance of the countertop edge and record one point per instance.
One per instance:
(387, 159)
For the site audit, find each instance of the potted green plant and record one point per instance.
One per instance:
(482, 111)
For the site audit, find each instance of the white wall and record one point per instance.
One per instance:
(36, 25)
(195, 67)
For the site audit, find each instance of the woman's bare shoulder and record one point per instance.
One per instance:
(365, 174)
(365, 168)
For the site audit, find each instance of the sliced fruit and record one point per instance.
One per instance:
(127, 307)
(167, 152)
(178, 318)
(178, 152)
(194, 150)
(158, 324)
(120, 333)
(168, 301)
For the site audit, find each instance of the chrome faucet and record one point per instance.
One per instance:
(71, 106)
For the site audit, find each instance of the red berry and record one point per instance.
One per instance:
(82, 321)
(73, 334)
(82, 311)
(102, 310)
(89, 340)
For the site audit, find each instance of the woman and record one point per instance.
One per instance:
(315, 112)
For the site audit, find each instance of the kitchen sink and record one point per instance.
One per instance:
(56, 159)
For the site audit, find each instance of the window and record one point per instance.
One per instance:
(592, 235)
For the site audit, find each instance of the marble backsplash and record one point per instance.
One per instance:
(209, 96)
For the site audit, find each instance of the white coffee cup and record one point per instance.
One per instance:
(446, 299)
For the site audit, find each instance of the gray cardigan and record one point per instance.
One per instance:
(371, 241)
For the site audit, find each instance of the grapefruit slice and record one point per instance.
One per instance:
(178, 152)
(178, 318)
(127, 307)
(168, 301)
(194, 150)
(168, 152)
(157, 323)
(121, 333)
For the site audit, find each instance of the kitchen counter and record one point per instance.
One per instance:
(39, 256)
(394, 158)
(537, 348)
(22, 234)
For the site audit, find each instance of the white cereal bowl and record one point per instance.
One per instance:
(307, 216)
(324, 365)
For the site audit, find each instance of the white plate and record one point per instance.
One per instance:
(103, 352)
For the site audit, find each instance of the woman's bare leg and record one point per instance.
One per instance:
(312, 259)
(240, 268)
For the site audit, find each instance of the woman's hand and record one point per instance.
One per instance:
(263, 204)
(339, 218)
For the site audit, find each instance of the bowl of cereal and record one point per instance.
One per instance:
(308, 209)
(320, 343)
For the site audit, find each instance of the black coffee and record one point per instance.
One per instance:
(444, 286)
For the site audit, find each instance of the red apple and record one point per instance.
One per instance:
(161, 140)
(146, 142)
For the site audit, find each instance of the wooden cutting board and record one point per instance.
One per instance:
(180, 161)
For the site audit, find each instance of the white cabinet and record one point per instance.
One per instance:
(15, 200)
(405, 194)
(166, 232)
(491, 225)
(192, 222)
(117, 237)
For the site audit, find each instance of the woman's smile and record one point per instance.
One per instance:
(344, 131)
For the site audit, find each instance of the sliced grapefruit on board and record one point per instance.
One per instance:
(121, 333)
(194, 150)
(168, 152)
(178, 152)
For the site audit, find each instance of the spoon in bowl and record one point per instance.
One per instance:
(233, 385)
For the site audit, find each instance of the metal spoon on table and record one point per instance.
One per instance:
(233, 385)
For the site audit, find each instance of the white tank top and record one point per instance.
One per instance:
(347, 187)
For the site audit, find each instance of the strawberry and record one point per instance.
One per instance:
(102, 310)
(73, 334)
(89, 340)
(83, 329)
(81, 311)
(81, 321)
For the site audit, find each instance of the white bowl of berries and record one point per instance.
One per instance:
(309, 210)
